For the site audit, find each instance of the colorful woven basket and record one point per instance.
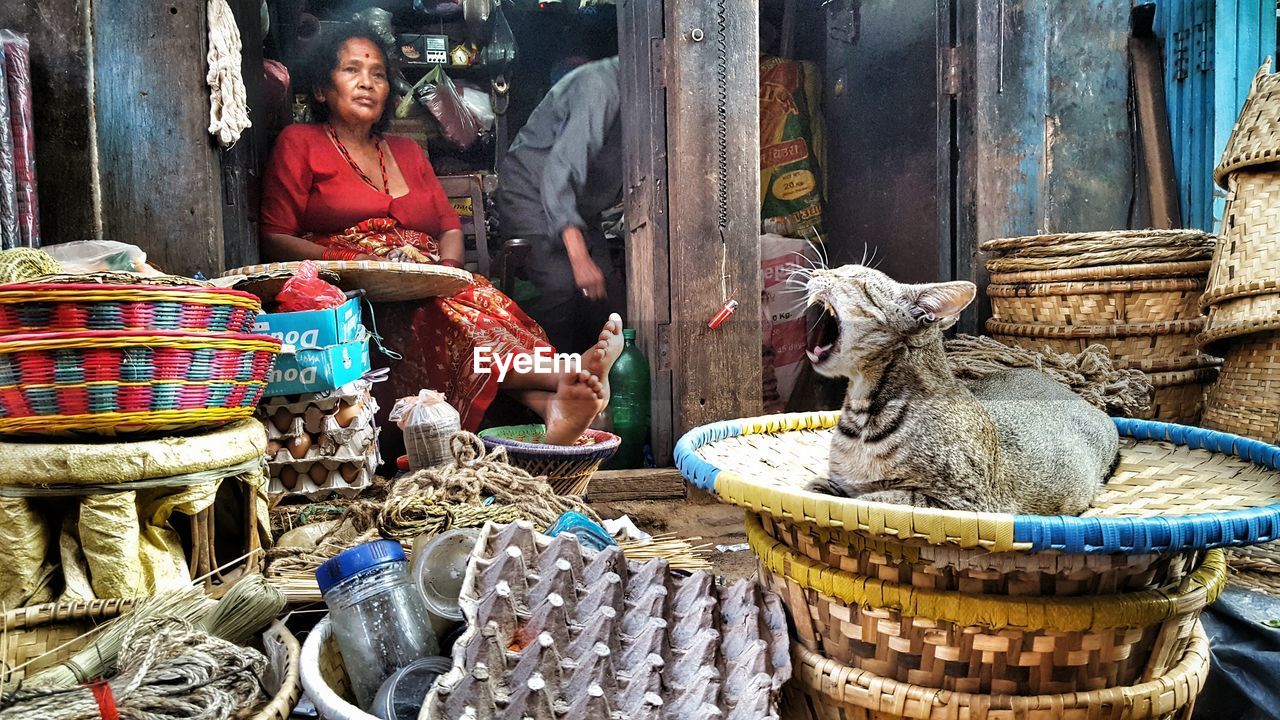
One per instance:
(40, 636)
(568, 467)
(44, 307)
(826, 690)
(115, 382)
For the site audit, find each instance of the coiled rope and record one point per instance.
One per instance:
(228, 104)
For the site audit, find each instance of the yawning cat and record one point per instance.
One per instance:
(912, 433)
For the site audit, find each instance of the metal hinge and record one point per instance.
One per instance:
(951, 60)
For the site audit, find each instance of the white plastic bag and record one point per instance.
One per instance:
(87, 256)
(428, 421)
(476, 99)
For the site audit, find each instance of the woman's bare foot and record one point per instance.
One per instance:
(576, 402)
(599, 358)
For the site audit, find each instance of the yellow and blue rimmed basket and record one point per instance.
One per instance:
(987, 602)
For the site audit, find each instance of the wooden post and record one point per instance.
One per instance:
(644, 129)
(161, 181)
(669, 53)
(716, 374)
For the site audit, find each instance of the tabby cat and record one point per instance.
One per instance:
(912, 433)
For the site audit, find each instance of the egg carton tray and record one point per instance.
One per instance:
(332, 417)
(320, 477)
(558, 631)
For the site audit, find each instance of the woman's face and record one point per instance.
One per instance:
(358, 85)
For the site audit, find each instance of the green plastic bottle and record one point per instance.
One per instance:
(629, 404)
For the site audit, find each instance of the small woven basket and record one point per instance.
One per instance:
(44, 635)
(568, 468)
(1255, 138)
(1248, 258)
(1246, 398)
(1007, 645)
(1097, 303)
(122, 382)
(56, 307)
(325, 678)
(824, 689)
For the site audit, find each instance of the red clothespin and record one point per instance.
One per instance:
(723, 314)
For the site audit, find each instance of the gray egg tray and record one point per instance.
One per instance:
(558, 632)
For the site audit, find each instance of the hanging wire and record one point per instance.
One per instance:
(722, 141)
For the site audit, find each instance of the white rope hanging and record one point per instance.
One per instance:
(228, 106)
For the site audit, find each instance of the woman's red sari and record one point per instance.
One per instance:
(310, 191)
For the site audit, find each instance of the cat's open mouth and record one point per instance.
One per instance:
(823, 331)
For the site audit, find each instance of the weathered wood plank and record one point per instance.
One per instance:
(160, 177)
(242, 163)
(716, 374)
(645, 157)
(59, 34)
(646, 484)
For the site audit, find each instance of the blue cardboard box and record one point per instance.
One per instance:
(309, 370)
(314, 328)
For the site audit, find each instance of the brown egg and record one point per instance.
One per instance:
(319, 474)
(347, 413)
(282, 419)
(349, 472)
(273, 447)
(299, 446)
(288, 477)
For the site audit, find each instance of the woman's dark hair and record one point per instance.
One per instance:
(323, 60)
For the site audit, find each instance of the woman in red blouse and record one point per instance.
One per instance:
(340, 189)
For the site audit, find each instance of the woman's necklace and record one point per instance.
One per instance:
(382, 164)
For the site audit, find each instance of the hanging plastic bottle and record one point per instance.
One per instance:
(629, 403)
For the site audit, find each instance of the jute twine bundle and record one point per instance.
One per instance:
(437, 499)
(1090, 374)
(168, 670)
(22, 264)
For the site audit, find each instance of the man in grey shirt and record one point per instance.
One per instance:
(563, 170)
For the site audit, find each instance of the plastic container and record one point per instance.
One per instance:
(629, 404)
(402, 695)
(589, 534)
(439, 566)
(378, 616)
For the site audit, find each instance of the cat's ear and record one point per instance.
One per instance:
(940, 302)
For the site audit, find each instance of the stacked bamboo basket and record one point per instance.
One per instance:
(908, 612)
(1243, 294)
(1137, 292)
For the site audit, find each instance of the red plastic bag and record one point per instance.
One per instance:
(306, 291)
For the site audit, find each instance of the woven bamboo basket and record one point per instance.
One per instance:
(568, 468)
(44, 635)
(1246, 398)
(1154, 346)
(325, 678)
(1249, 254)
(826, 690)
(1129, 271)
(1179, 396)
(1097, 303)
(1255, 138)
(1064, 251)
(1176, 493)
(976, 643)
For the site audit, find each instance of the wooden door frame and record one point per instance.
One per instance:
(669, 51)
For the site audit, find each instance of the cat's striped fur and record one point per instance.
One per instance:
(912, 433)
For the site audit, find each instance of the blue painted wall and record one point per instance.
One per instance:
(1212, 48)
